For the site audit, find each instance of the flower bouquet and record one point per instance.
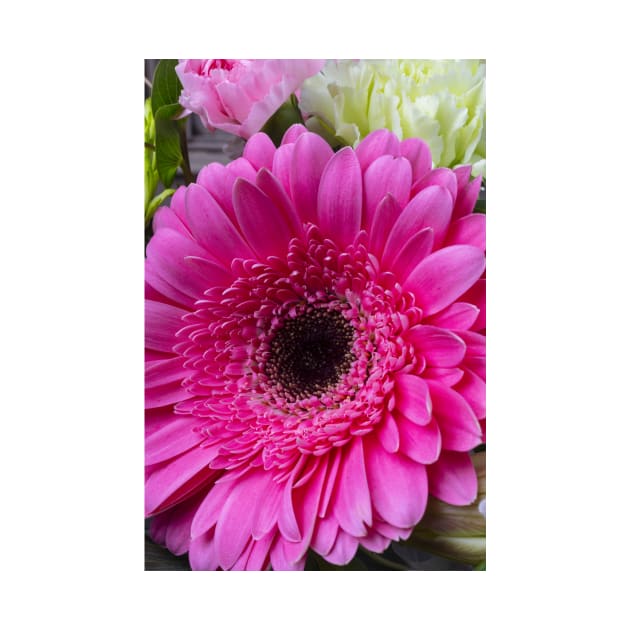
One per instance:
(315, 315)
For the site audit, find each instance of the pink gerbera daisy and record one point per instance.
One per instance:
(315, 351)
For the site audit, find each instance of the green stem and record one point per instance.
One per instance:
(189, 178)
(384, 561)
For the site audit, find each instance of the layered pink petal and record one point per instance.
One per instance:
(398, 485)
(259, 151)
(351, 503)
(420, 443)
(453, 479)
(458, 423)
(444, 275)
(419, 155)
(162, 321)
(340, 197)
(439, 347)
(376, 144)
(430, 208)
(467, 199)
(412, 398)
(385, 215)
(386, 175)
(311, 154)
(469, 230)
(264, 225)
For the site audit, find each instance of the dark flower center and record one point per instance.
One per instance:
(310, 353)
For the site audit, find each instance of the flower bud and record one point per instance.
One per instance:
(455, 532)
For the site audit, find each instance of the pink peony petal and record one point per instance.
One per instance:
(340, 197)
(439, 347)
(412, 398)
(265, 227)
(444, 275)
(213, 228)
(310, 156)
(386, 175)
(458, 423)
(420, 443)
(398, 485)
(453, 479)
(430, 208)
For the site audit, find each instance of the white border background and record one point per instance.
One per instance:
(73, 321)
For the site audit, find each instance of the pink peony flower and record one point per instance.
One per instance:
(315, 366)
(240, 95)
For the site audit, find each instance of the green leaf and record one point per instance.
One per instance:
(166, 85)
(481, 566)
(168, 152)
(156, 202)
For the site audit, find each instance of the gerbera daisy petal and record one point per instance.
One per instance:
(311, 154)
(202, 553)
(265, 227)
(259, 151)
(473, 389)
(458, 423)
(343, 550)
(385, 215)
(386, 175)
(469, 230)
(416, 249)
(162, 321)
(388, 434)
(466, 199)
(420, 443)
(432, 207)
(443, 177)
(374, 145)
(412, 398)
(172, 439)
(453, 479)
(438, 346)
(339, 201)
(443, 276)
(398, 485)
(352, 506)
(419, 155)
(211, 226)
